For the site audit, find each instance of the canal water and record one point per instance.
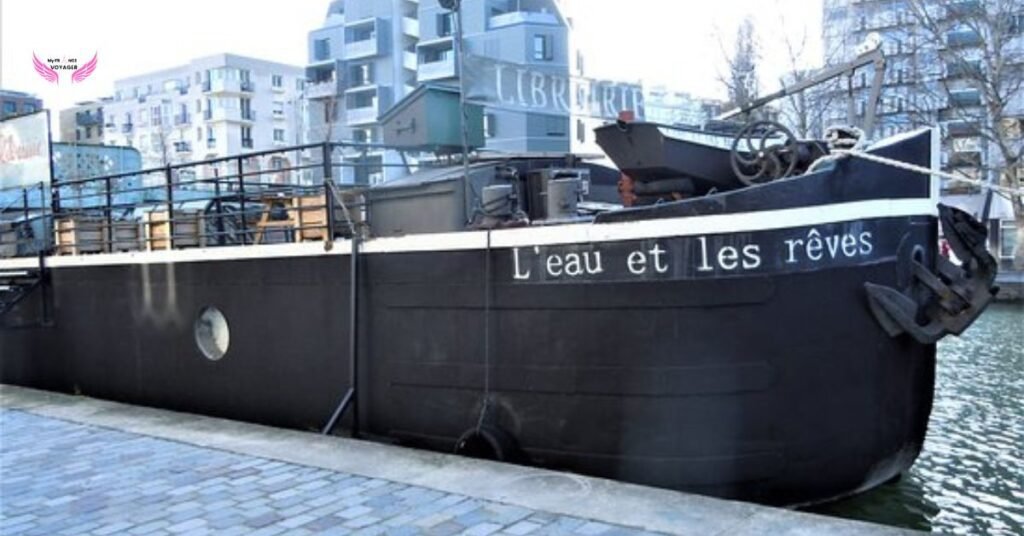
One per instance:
(969, 478)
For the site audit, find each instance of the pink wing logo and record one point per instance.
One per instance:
(45, 70)
(84, 71)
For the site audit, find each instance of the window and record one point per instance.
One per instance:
(28, 108)
(247, 137)
(278, 134)
(542, 48)
(155, 112)
(555, 126)
(581, 131)
(1007, 239)
(199, 106)
(322, 49)
(300, 84)
(490, 125)
(199, 133)
(445, 24)
(363, 135)
(78, 135)
(965, 97)
(88, 132)
(277, 80)
(10, 108)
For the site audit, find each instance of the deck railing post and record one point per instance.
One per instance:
(241, 200)
(108, 215)
(328, 192)
(219, 208)
(170, 206)
(47, 232)
(25, 211)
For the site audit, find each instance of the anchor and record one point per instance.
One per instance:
(948, 301)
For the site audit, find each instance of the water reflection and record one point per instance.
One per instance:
(970, 477)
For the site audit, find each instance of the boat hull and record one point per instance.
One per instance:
(774, 386)
(724, 345)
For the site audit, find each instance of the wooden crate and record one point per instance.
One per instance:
(127, 235)
(75, 235)
(311, 216)
(8, 240)
(188, 230)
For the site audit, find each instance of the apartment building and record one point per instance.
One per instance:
(369, 54)
(83, 122)
(18, 103)
(924, 85)
(210, 107)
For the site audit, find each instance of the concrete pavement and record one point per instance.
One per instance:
(74, 465)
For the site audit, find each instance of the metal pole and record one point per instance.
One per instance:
(241, 202)
(109, 216)
(459, 46)
(353, 336)
(47, 229)
(170, 206)
(25, 214)
(328, 198)
(219, 208)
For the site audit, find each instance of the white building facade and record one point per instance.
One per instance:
(211, 107)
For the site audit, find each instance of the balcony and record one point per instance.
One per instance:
(411, 27)
(182, 147)
(964, 8)
(410, 61)
(247, 143)
(523, 17)
(963, 38)
(88, 119)
(362, 116)
(227, 86)
(364, 39)
(229, 114)
(437, 70)
(964, 98)
(127, 128)
(962, 129)
(211, 143)
(324, 89)
(182, 119)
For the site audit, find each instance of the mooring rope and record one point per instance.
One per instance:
(838, 153)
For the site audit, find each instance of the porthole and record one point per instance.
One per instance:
(212, 334)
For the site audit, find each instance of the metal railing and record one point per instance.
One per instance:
(289, 194)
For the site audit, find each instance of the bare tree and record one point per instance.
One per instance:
(978, 81)
(740, 81)
(804, 112)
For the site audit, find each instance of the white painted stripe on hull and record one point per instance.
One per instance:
(581, 233)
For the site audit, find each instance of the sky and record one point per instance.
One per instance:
(678, 43)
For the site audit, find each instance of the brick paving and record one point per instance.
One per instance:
(58, 477)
